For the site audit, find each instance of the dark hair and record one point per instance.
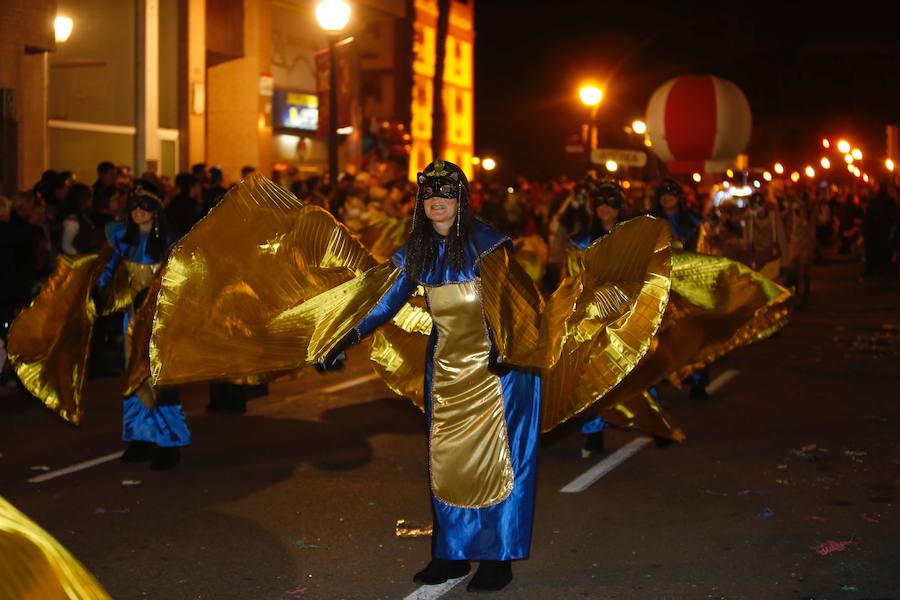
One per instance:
(77, 199)
(184, 182)
(670, 186)
(104, 167)
(216, 175)
(145, 195)
(422, 245)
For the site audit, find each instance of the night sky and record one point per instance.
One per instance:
(807, 70)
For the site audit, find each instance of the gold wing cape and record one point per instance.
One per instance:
(34, 565)
(49, 342)
(267, 284)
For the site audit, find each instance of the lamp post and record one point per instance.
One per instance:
(332, 16)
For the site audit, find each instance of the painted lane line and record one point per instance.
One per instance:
(78, 467)
(348, 384)
(430, 592)
(589, 477)
(110, 457)
(719, 382)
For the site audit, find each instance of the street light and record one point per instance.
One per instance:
(826, 164)
(843, 146)
(332, 16)
(889, 164)
(795, 176)
(856, 154)
(825, 143)
(779, 168)
(639, 127)
(476, 160)
(767, 176)
(810, 172)
(612, 166)
(697, 177)
(62, 28)
(848, 159)
(591, 96)
(488, 164)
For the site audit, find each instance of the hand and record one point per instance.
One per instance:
(334, 358)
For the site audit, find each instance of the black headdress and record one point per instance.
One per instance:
(146, 196)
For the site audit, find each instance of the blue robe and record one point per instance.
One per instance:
(164, 424)
(501, 531)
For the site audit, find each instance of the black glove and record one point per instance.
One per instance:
(334, 358)
(494, 365)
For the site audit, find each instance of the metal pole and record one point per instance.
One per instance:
(332, 118)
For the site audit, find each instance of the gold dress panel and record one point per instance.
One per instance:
(469, 449)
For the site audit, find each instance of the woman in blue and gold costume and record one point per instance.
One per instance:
(456, 325)
(49, 342)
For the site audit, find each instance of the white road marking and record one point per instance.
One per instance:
(430, 592)
(719, 382)
(109, 457)
(78, 467)
(589, 477)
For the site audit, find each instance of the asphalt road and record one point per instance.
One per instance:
(298, 498)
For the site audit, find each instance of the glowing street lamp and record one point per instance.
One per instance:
(488, 164)
(795, 176)
(848, 159)
(779, 168)
(639, 127)
(825, 143)
(865, 178)
(590, 95)
(856, 154)
(810, 172)
(851, 168)
(826, 164)
(889, 164)
(333, 16)
(843, 146)
(62, 27)
(697, 177)
(767, 176)
(612, 166)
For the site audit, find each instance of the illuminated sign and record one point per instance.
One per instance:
(295, 110)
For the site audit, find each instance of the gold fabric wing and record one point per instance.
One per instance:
(237, 291)
(49, 342)
(34, 565)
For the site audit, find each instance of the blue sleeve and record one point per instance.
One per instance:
(392, 301)
(110, 269)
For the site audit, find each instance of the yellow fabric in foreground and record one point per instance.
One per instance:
(383, 237)
(470, 461)
(34, 566)
(259, 253)
(49, 341)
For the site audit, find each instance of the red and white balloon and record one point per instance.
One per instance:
(696, 120)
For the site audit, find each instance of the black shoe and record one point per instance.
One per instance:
(166, 458)
(698, 392)
(593, 442)
(440, 570)
(491, 576)
(138, 452)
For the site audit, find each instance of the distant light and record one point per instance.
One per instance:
(756, 183)
(612, 166)
(639, 127)
(742, 191)
(62, 27)
(856, 154)
(626, 184)
(889, 164)
(726, 184)
(345, 130)
(843, 146)
(697, 177)
(332, 15)
(488, 164)
(767, 176)
(795, 176)
(857, 172)
(848, 159)
(826, 164)
(825, 143)
(647, 142)
(851, 168)
(730, 173)
(590, 95)
(476, 160)
(510, 190)
(810, 172)
(865, 178)
(779, 168)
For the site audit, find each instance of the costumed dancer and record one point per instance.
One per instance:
(766, 241)
(480, 355)
(49, 342)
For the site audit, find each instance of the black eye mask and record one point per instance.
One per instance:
(144, 200)
(443, 186)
